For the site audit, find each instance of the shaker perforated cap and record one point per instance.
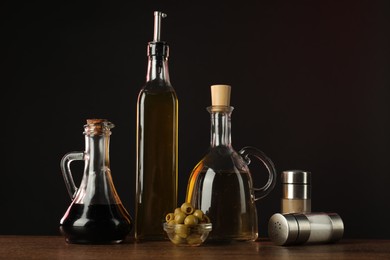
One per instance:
(288, 229)
(296, 177)
(283, 229)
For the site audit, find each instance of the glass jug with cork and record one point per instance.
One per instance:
(96, 214)
(221, 183)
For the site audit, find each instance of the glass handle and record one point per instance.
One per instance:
(268, 187)
(66, 172)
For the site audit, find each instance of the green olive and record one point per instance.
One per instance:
(177, 239)
(198, 213)
(169, 217)
(179, 218)
(171, 222)
(187, 208)
(205, 219)
(191, 220)
(177, 211)
(182, 231)
(194, 239)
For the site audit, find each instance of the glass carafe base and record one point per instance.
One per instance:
(95, 224)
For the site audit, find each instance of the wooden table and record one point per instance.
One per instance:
(54, 247)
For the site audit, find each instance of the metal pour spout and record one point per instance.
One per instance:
(157, 25)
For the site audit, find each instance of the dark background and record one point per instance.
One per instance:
(310, 87)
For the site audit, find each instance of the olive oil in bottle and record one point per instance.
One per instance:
(221, 183)
(157, 143)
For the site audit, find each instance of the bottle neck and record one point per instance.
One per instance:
(97, 150)
(220, 126)
(97, 186)
(158, 69)
(158, 53)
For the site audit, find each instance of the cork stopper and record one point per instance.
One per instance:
(220, 95)
(96, 121)
(98, 127)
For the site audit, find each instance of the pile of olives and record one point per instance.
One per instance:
(187, 215)
(182, 225)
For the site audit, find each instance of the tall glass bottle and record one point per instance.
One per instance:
(157, 143)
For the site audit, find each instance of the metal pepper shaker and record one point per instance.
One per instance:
(296, 188)
(300, 228)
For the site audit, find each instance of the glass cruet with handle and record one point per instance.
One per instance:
(96, 214)
(221, 183)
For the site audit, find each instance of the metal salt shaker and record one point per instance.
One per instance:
(296, 190)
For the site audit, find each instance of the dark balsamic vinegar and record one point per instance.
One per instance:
(96, 224)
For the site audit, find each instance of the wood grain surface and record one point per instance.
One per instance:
(55, 247)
